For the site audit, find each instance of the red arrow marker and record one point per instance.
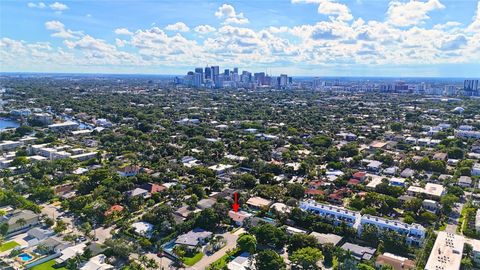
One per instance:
(235, 204)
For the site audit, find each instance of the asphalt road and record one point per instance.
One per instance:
(231, 244)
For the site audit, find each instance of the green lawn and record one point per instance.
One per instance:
(224, 260)
(220, 263)
(8, 245)
(192, 260)
(48, 265)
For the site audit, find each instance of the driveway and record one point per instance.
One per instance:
(102, 234)
(453, 218)
(53, 211)
(231, 244)
(164, 263)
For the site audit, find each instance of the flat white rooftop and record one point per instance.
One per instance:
(430, 189)
(446, 253)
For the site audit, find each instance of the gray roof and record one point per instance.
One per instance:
(242, 258)
(327, 238)
(193, 237)
(53, 242)
(137, 191)
(206, 203)
(39, 233)
(407, 172)
(360, 252)
(25, 214)
(465, 180)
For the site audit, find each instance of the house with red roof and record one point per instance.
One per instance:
(239, 217)
(353, 182)
(360, 175)
(314, 192)
(153, 188)
(315, 184)
(113, 209)
(338, 195)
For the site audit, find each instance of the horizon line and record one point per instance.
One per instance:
(173, 75)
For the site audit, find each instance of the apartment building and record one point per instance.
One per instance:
(446, 252)
(335, 213)
(415, 233)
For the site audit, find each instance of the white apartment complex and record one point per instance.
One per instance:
(60, 152)
(12, 145)
(338, 214)
(415, 233)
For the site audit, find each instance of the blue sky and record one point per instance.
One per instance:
(434, 38)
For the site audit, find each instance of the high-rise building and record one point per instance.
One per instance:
(318, 83)
(200, 71)
(235, 77)
(189, 78)
(450, 90)
(216, 76)
(259, 78)
(235, 70)
(401, 86)
(283, 80)
(215, 71)
(198, 79)
(218, 81)
(246, 77)
(471, 87)
(208, 73)
(227, 75)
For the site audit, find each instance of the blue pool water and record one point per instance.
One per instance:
(169, 246)
(25, 257)
(269, 220)
(7, 123)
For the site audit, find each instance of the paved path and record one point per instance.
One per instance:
(53, 211)
(453, 218)
(231, 244)
(164, 263)
(102, 234)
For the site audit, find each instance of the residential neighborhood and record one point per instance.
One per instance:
(141, 174)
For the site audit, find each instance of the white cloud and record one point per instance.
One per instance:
(447, 25)
(179, 26)
(454, 43)
(412, 12)
(339, 41)
(98, 52)
(230, 16)
(204, 29)
(156, 46)
(90, 43)
(57, 6)
(39, 5)
(330, 7)
(60, 31)
(54, 25)
(475, 25)
(120, 42)
(123, 31)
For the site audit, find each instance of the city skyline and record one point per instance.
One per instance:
(434, 38)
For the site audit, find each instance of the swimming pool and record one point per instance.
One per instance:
(169, 246)
(25, 257)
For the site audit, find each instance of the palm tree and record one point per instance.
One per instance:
(21, 222)
(147, 262)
